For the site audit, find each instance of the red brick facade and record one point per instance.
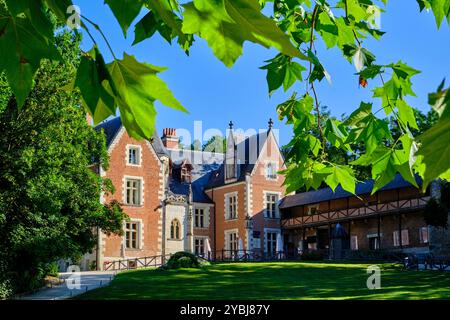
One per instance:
(251, 195)
(148, 213)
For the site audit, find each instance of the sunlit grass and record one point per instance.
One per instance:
(276, 280)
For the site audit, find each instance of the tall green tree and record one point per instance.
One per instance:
(49, 191)
(217, 144)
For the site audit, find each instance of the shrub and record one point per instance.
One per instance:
(311, 256)
(52, 269)
(6, 289)
(184, 259)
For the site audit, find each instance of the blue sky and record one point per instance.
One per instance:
(215, 94)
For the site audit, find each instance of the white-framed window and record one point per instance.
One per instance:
(354, 242)
(199, 246)
(271, 242)
(133, 155)
(271, 171)
(175, 230)
(199, 218)
(231, 206)
(313, 209)
(405, 238)
(132, 235)
(423, 234)
(271, 207)
(231, 240)
(256, 239)
(133, 191)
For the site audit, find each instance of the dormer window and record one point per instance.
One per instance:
(186, 172)
(133, 155)
(185, 175)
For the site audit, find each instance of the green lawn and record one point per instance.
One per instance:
(277, 280)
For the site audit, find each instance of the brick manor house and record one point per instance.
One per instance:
(216, 203)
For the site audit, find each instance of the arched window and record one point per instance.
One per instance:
(175, 229)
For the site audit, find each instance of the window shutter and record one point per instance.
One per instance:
(354, 243)
(423, 235)
(405, 237)
(396, 239)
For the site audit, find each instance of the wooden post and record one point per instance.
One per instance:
(350, 234)
(400, 230)
(304, 239)
(379, 231)
(329, 236)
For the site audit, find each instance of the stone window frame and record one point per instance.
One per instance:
(139, 236)
(277, 203)
(139, 155)
(141, 190)
(227, 212)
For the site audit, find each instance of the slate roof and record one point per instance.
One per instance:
(248, 152)
(203, 164)
(326, 194)
(112, 127)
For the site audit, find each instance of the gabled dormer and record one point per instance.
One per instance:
(183, 171)
(230, 157)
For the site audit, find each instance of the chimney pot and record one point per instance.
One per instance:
(169, 138)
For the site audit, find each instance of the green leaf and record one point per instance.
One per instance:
(21, 49)
(318, 72)
(367, 128)
(439, 99)
(435, 149)
(383, 169)
(403, 71)
(386, 162)
(342, 175)
(148, 25)
(90, 76)
(59, 8)
(303, 119)
(336, 134)
(406, 114)
(441, 9)
(125, 11)
(226, 32)
(356, 10)
(293, 73)
(371, 72)
(360, 114)
(282, 71)
(34, 11)
(136, 88)
(327, 29)
(164, 10)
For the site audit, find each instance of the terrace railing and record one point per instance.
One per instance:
(136, 263)
(246, 255)
(356, 212)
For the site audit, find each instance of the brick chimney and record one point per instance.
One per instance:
(169, 138)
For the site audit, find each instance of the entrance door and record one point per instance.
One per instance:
(271, 243)
(374, 243)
